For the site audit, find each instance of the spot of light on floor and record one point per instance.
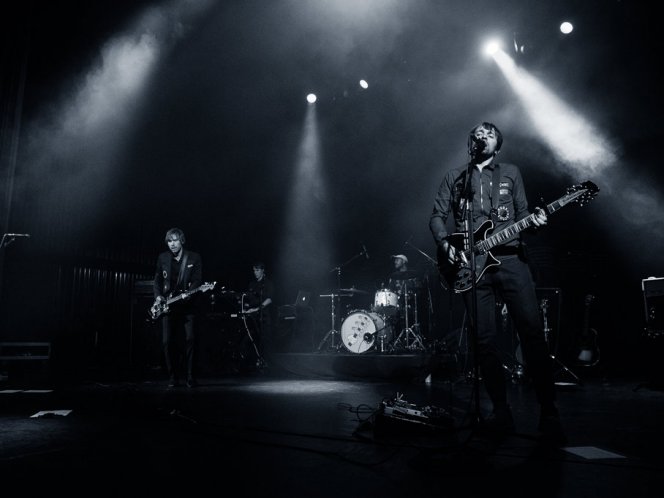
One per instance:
(307, 387)
(364, 84)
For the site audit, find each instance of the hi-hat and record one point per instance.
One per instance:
(353, 290)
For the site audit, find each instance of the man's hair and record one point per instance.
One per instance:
(258, 264)
(175, 232)
(489, 126)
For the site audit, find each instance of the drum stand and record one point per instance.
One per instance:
(332, 333)
(411, 340)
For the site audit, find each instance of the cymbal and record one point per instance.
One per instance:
(403, 275)
(353, 290)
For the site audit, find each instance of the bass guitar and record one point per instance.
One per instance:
(459, 274)
(161, 308)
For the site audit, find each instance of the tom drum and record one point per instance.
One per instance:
(386, 302)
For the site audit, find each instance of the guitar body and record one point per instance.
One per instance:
(459, 276)
(164, 307)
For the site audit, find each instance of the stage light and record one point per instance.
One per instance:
(566, 27)
(492, 47)
(364, 84)
(311, 98)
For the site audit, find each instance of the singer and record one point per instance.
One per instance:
(496, 191)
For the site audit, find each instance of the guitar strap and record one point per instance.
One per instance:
(495, 192)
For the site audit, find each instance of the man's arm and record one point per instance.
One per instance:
(158, 282)
(438, 220)
(196, 270)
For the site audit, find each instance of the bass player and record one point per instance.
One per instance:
(178, 270)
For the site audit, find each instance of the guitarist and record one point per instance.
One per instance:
(178, 270)
(496, 192)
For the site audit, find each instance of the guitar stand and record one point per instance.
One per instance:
(544, 306)
(563, 368)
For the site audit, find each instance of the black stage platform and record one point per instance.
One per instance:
(317, 425)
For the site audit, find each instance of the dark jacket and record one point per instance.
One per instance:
(192, 273)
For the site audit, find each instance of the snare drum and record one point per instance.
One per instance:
(362, 329)
(386, 302)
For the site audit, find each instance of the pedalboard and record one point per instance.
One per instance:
(398, 413)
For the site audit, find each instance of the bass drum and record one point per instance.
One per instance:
(362, 329)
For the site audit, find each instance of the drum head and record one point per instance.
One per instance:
(386, 302)
(360, 329)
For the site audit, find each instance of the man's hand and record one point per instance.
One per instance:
(540, 218)
(450, 250)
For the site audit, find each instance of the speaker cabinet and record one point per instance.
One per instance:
(653, 300)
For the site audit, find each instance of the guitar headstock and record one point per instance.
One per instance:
(208, 286)
(582, 193)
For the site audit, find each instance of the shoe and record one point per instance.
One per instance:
(500, 422)
(192, 383)
(173, 382)
(551, 430)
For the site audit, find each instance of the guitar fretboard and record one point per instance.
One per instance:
(508, 233)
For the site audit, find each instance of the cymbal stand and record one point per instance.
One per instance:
(333, 332)
(408, 330)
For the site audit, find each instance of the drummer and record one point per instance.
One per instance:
(401, 276)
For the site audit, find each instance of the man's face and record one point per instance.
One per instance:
(398, 263)
(489, 137)
(174, 244)
(259, 272)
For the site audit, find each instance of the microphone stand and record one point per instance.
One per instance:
(470, 247)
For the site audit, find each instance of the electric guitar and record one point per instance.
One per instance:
(163, 307)
(459, 274)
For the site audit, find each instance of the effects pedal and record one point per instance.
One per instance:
(403, 416)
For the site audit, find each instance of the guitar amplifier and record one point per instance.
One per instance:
(653, 300)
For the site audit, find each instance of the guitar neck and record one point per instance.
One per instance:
(182, 295)
(509, 232)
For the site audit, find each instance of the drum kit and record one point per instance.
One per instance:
(374, 330)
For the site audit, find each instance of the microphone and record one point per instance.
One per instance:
(478, 144)
(17, 235)
(364, 249)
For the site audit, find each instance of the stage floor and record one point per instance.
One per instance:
(296, 430)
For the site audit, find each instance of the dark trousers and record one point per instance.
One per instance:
(513, 283)
(172, 326)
